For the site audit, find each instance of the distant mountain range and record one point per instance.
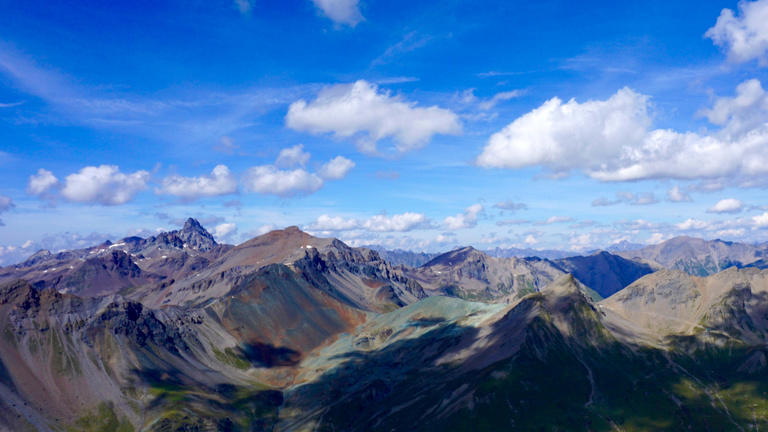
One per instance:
(699, 257)
(290, 332)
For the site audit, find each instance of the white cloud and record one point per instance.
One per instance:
(341, 11)
(335, 169)
(675, 194)
(581, 241)
(41, 182)
(611, 140)
(219, 182)
(224, 230)
(334, 223)
(351, 109)
(403, 222)
(399, 222)
(744, 37)
(468, 219)
(270, 179)
(104, 184)
(744, 112)
(265, 229)
(530, 240)
(657, 238)
(292, 156)
(761, 221)
(566, 135)
(692, 224)
(267, 179)
(732, 233)
(728, 205)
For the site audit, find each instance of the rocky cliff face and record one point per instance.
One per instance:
(471, 274)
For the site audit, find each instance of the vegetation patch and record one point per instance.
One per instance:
(103, 419)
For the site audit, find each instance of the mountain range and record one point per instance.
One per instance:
(291, 332)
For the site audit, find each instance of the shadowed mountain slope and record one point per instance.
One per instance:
(445, 364)
(604, 272)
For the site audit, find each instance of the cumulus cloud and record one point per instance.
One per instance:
(399, 222)
(744, 112)
(743, 37)
(728, 205)
(581, 241)
(468, 219)
(271, 179)
(403, 222)
(268, 179)
(657, 238)
(336, 168)
(334, 223)
(612, 140)
(643, 198)
(292, 156)
(562, 135)
(361, 109)
(224, 230)
(41, 182)
(219, 182)
(510, 205)
(761, 221)
(104, 184)
(675, 194)
(692, 224)
(6, 203)
(341, 11)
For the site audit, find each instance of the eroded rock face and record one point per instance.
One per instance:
(472, 274)
(142, 326)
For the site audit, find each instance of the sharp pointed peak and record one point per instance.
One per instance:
(192, 224)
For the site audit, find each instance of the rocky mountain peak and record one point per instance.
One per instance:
(39, 256)
(192, 224)
(196, 237)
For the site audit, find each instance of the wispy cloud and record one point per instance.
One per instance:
(175, 116)
(410, 42)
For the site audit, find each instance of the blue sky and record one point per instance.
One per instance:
(420, 125)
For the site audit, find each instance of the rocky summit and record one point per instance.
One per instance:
(291, 332)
